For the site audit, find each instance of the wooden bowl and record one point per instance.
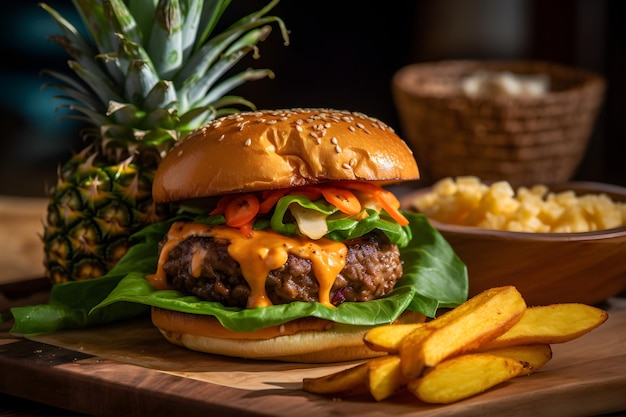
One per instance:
(546, 268)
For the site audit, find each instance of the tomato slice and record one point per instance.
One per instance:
(387, 199)
(241, 210)
(391, 205)
(221, 205)
(343, 199)
(312, 192)
(270, 199)
(246, 229)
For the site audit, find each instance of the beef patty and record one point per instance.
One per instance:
(372, 268)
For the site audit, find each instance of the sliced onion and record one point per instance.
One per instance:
(311, 223)
(369, 201)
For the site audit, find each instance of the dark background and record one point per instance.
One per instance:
(340, 57)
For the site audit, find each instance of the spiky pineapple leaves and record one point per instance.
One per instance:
(148, 73)
(171, 61)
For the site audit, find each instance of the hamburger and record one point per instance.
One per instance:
(288, 247)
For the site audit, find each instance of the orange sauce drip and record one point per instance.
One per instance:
(257, 255)
(196, 261)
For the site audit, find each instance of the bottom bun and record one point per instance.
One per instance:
(309, 340)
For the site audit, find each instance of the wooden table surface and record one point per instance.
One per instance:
(129, 369)
(21, 250)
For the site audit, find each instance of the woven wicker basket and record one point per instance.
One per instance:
(522, 140)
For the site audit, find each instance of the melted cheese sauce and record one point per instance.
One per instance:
(257, 255)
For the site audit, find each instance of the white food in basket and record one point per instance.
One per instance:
(485, 84)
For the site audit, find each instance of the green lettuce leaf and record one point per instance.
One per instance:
(340, 227)
(434, 278)
(345, 228)
(70, 303)
(277, 221)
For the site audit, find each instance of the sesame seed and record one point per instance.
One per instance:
(337, 148)
(299, 128)
(346, 166)
(351, 128)
(248, 142)
(180, 153)
(334, 140)
(221, 138)
(360, 126)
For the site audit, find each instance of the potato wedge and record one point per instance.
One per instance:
(385, 377)
(419, 333)
(532, 357)
(348, 382)
(482, 318)
(387, 338)
(555, 323)
(463, 376)
(489, 339)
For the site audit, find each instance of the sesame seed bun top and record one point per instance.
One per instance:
(273, 149)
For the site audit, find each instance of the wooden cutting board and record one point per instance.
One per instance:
(130, 370)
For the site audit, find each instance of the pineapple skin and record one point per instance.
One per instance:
(93, 211)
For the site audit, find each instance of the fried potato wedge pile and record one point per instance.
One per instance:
(487, 340)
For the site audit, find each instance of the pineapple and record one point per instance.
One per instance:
(151, 72)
